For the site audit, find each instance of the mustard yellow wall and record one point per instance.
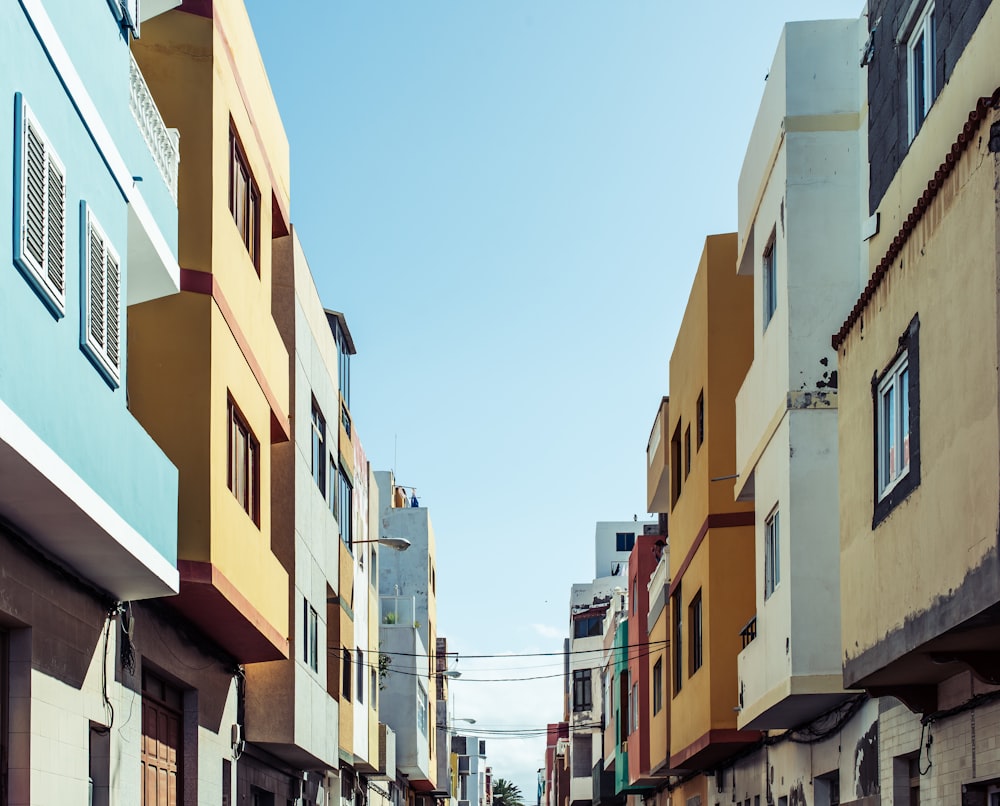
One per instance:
(711, 356)
(659, 724)
(191, 63)
(947, 273)
(169, 392)
(725, 612)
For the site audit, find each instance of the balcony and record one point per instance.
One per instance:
(164, 143)
(780, 685)
(657, 462)
(404, 704)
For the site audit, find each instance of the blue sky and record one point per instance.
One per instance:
(508, 200)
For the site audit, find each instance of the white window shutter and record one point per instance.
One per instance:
(56, 247)
(40, 248)
(102, 317)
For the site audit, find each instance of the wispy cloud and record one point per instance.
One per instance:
(546, 631)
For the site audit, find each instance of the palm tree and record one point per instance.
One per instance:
(506, 793)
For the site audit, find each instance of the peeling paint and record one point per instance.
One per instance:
(866, 781)
(797, 795)
(820, 399)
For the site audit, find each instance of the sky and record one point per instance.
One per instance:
(508, 200)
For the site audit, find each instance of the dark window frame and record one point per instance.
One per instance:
(700, 419)
(696, 631)
(318, 442)
(346, 675)
(237, 425)
(678, 640)
(244, 197)
(769, 280)
(583, 698)
(657, 686)
(909, 343)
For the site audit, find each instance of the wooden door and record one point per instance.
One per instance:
(161, 750)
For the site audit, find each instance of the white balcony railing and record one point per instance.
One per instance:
(164, 143)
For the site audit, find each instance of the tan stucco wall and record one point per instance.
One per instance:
(947, 274)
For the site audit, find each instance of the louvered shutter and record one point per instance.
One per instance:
(102, 325)
(41, 244)
(56, 246)
(34, 195)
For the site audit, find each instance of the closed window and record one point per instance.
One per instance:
(588, 627)
(244, 463)
(769, 274)
(344, 509)
(687, 451)
(772, 553)
(695, 630)
(361, 676)
(346, 675)
(331, 484)
(39, 210)
(677, 638)
(102, 292)
(319, 454)
(244, 199)
(657, 686)
(700, 418)
(582, 700)
(624, 541)
(896, 400)
(920, 51)
(422, 715)
(893, 425)
(310, 636)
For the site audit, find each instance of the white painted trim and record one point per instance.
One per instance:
(92, 119)
(16, 434)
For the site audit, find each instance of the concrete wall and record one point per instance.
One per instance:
(606, 555)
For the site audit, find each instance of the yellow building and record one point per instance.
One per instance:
(211, 384)
(919, 429)
(711, 594)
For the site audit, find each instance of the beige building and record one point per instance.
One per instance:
(919, 430)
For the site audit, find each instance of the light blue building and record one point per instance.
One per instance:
(88, 502)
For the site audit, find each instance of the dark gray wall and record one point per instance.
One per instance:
(955, 21)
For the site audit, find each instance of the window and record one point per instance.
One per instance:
(920, 70)
(770, 285)
(345, 419)
(244, 463)
(310, 636)
(39, 210)
(582, 700)
(361, 676)
(102, 297)
(582, 755)
(331, 484)
(343, 365)
(373, 688)
(588, 627)
(657, 686)
(695, 628)
(319, 454)
(345, 687)
(772, 553)
(633, 708)
(422, 710)
(677, 638)
(344, 510)
(700, 418)
(624, 541)
(896, 398)
(244, 199)
(687, 451)
(675, 465)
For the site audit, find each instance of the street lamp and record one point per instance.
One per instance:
(395, 543)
